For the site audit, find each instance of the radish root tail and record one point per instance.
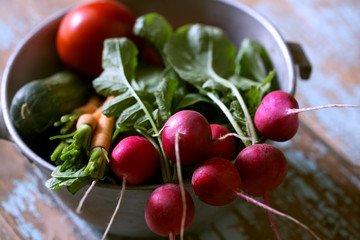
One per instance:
(266, 200)
(81, 203)
(181, 182)
(172, 236)
(249, 199)
(116, 209)
(299, 110)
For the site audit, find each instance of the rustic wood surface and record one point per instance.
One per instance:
(322, 188)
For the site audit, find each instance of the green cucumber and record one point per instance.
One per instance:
(39, 103)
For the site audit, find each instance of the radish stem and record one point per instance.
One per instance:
(235, 92)
(165, 164)
(241, 101)
(227, 113)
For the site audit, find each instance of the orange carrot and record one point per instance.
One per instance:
(100, 146)
(90, 107)
(68, 120)
(76, 145)
(105, 127)
(94, 115)
(88, 119)
(103, 133)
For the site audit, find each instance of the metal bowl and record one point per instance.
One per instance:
(36, 57)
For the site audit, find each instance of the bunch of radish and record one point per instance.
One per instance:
(189, 140)
(219, 177)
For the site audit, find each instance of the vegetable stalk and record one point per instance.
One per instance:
(239, 98)
(165, 169)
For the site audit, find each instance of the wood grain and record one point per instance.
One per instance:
(329, 36)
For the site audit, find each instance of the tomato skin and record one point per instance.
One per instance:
(82, 32)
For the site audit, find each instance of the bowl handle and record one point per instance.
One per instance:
(300, 59)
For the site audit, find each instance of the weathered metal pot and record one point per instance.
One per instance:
(36, 57)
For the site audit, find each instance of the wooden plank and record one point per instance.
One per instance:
(330, 38)
(28, 210)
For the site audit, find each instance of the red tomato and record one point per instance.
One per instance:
(82, 32)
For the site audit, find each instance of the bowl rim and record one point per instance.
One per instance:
(5, 109)
(280, 40)
(56, 16)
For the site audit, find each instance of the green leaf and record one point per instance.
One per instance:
(120, 128)
(69, 173)
(107, 85)
(72, 184)
(112, 60)
(131, 114)
(204, 56)
(242, 83)
(78, 184)
(117, 105)
(118, 67)
(155, 29)
(196, 49)
(191, 99)
(119, 62)
(148, 77)
(252, 97)
(164, 95)
(252, 61)
(236, 111)
(73, 178)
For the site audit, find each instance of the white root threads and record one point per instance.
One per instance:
(116, 209)
(181, 183)
(299, 110)
(81, 203)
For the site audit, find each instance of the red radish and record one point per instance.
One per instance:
(164, 210)
(262, 168)
(277, 116)
(194, 137)
(212, 183)
(222, 147)
(271, 118)
(136, 158)
(215, 181)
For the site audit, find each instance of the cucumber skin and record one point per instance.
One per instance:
(39, 103)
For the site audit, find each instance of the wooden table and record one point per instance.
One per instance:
(322, 188)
